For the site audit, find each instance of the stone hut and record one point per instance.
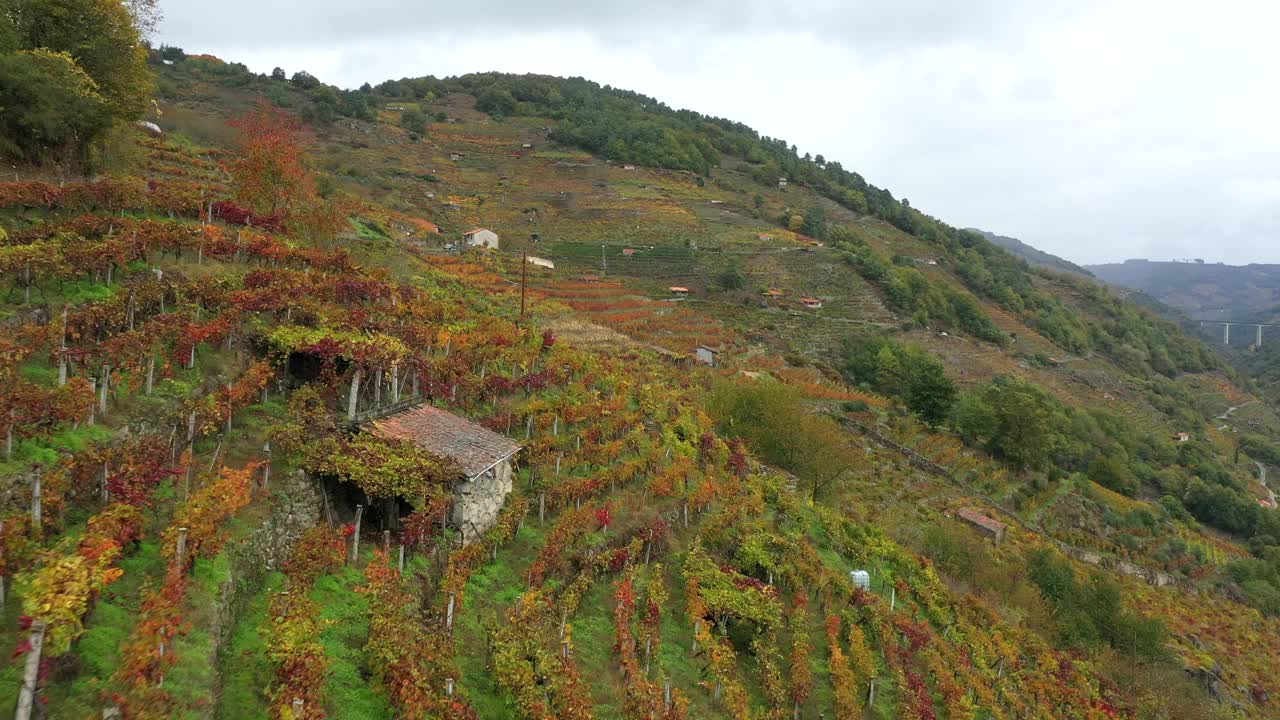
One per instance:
(484, 456)
(990, 527)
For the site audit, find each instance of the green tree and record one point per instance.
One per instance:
(1012, 419)
(774, 420)
(414, 121)
(101, 36)
(278, 74)
(50, 109)
(732, 278)
(1110, 472)
(815, 222)
(304, 80)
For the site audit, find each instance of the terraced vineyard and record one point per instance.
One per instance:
(198, 523)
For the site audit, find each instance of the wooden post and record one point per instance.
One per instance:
(106, 491)
(448, 613)
(666, 694)
(401, 563)
(354, 397)
(564, 620)
(524, 280)
(528, 427)
(181, 553)
(62, 351)
(36, 511)
(93, 406)
(191, 361)
(386, 542)
(377, 387)
(648, 645)
(191, 427)
(298, 707)
(555, 425)
(871, 693)
(542, 507)
(102, 392)
(355, 537)
(151, 375)
(893, 598)
(697, 628)
(395, 382)
(30, 672)
(448, 687)
(8, 440)
(266, 467)
(229, 408)
(564, 649)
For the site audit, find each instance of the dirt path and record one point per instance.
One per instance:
(1262, 478)
(1227, 415)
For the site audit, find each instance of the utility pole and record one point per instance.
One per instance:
(524, 280)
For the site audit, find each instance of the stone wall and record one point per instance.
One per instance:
(477, 501)
(295, 509)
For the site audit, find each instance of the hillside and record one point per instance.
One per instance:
(1032, 255)
(1203, 291)
(203, 517)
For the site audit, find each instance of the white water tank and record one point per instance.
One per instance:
(861, 579)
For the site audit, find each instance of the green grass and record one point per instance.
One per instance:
(349, 694)
(246, 671)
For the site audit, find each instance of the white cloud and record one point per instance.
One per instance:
(1094, 130)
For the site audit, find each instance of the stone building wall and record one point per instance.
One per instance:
(478, 501)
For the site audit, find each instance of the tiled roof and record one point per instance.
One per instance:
(474, 447)
(476, 230)
(977, 518)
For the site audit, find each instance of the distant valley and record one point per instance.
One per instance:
(1202, 291)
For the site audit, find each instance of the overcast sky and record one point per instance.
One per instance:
(1097, 130)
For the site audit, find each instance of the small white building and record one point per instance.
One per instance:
(480, 237)
(782, 183)
(541, 262)
(708, 355)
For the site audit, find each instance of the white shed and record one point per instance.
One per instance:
(481, 237)
(708, 355)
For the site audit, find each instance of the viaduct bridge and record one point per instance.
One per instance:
(1226, 329)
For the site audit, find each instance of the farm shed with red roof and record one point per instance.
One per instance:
(484, 456)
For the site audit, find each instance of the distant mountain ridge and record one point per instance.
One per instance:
(1032, 255)
(1204, 291)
